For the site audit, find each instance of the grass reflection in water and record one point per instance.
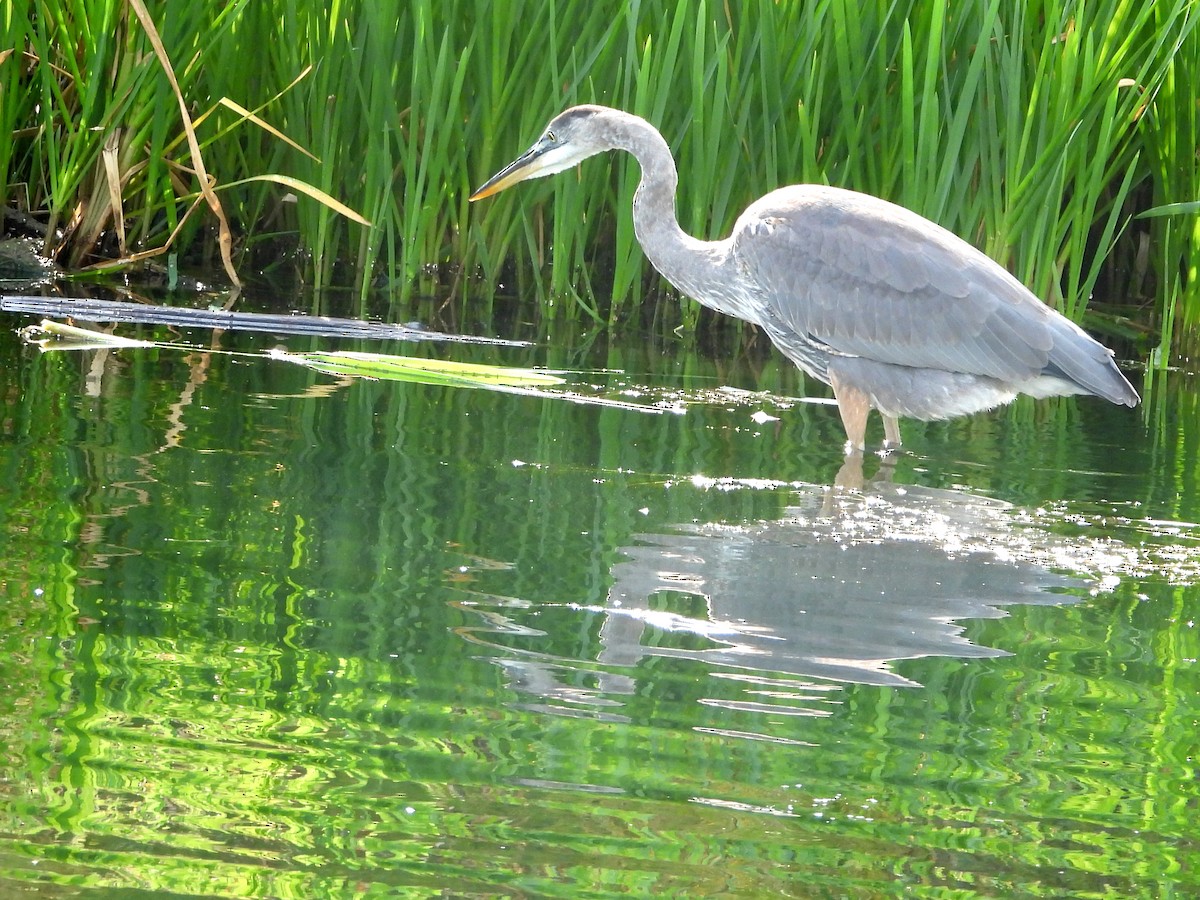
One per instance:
(264, 641)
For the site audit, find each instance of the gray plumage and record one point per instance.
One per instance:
(893, 311)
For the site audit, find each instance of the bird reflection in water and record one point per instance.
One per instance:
(836, 591)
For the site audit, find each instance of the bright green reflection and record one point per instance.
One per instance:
(268, 634)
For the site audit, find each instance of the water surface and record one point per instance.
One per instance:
(268, 633)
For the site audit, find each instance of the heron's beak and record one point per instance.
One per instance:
(528, 165)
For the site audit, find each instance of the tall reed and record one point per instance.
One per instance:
(1170, 134)
(1036, 131)
(95, 141)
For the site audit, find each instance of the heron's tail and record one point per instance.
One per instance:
(1077, 358)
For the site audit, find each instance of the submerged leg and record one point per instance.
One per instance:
(850, 475)
(854, 405)
(891, 432)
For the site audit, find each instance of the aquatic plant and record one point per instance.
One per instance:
(1036, 131)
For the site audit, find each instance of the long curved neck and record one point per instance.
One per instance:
(693, 266)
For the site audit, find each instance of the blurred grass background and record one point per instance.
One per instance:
(1041, 131)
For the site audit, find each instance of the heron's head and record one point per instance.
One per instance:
(571, 137)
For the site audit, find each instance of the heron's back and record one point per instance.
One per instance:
(839, 274)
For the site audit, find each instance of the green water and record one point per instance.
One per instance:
(267, 633)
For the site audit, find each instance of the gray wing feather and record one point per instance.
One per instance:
(867, 278)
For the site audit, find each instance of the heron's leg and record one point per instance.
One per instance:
(891, 432)
(850, 475)
(854, 405)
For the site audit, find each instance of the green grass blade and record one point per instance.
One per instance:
(426, 371)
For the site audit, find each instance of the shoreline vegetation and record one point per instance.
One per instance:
(1059, 137)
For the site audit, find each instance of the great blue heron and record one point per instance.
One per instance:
(892, 311)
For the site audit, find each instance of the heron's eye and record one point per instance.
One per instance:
(551, 137)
